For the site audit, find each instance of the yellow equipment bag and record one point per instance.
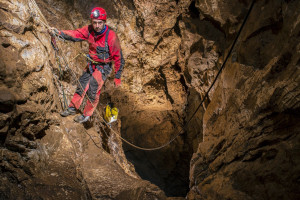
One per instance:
(111, 114)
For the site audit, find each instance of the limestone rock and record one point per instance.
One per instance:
(250, 127)
(43, 155)
(242, 143)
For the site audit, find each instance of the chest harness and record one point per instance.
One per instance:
(102, 53)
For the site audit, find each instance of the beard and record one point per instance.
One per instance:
(99, 29)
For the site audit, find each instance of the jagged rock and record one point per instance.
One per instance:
(7, 101)
(43, 156)
(250, 129)
(244, 137)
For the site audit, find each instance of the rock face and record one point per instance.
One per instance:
(44, 156)
(251, 125)
(243, 143)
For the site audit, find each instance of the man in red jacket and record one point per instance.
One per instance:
(104, 48)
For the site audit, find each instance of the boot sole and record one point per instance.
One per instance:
(67, 115)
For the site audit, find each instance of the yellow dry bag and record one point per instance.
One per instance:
(111, 113)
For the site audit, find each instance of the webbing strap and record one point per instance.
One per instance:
(106, 39)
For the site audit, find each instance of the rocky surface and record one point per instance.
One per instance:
(241, 144)
(44, 156)
(251, 126)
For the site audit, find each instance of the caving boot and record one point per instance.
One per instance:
(69, 111)
(81, 119)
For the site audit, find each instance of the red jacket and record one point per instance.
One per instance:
(97, 46)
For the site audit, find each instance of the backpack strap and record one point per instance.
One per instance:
(90, 29)
(106, 43)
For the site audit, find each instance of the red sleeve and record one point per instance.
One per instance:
(76, 35)
(116, 53)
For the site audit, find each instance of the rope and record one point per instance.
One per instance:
(223, 65)
(205, 96)
(60, 77)
(43, 21)
(88, 58)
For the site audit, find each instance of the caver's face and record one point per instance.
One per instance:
(98, 24)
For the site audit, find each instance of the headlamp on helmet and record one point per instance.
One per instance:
(98, 13)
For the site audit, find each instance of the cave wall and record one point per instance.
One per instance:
(244, 137)
(251, 125)
(42, 154)
(152, 99)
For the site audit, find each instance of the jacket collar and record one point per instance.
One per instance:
(100, 34)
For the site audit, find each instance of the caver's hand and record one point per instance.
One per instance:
(117, 82)
(53, 31)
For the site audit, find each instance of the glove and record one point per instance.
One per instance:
(53, 31)
(117, 82)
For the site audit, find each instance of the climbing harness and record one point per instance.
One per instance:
(200, 104)
(102, 53)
